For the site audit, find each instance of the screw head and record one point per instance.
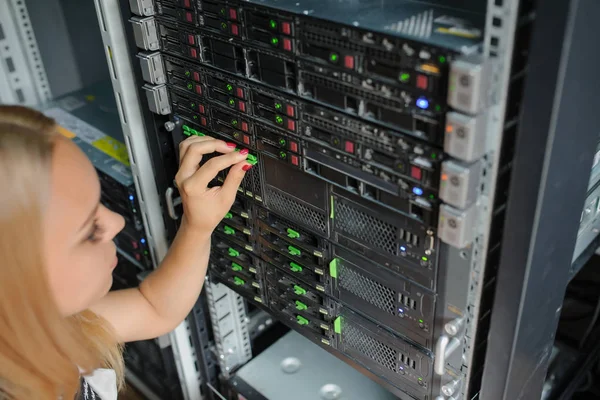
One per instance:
(169, 126)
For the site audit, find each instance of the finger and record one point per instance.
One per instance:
(186, 144)
(233, 181)
(209, 171)
(193, 156)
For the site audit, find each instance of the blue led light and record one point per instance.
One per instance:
(401, 310)
(131, 197)
(418, 191)
(423, 103)
(403, 249)
(143, 241)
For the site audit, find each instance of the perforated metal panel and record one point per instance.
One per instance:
(365, 227)
(367, 289)
(380, 353)
(295, 210)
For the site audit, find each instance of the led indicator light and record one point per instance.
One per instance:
(222, 11)
(229, 87)
(223, 25)
(404, 77)
(282, 142)
(422, 103)
(231, 102)
(333, 57)
(424, 258)
(403, 249)
(234, 122)
(131, 197)
(143, 241)
(278, 119)
(188, 73)
(278, 106)
(401, 311)
(438, 108)
(432, 197)
(442, 59)
(418, 191)
(273, 24)
(274, 41)
(433, 156)
(190, 86)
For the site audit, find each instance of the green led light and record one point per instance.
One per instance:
(432, 197)
(278, 119)
(282, 154)
(333, 57)
(424, 258)
(192, 105)
(223, 25)
(404, 77)
(188, 73)
(222, 11)
(186, 128)
(442, 59)
(229, 87)
(282, 142)
(273, 24)
(438, 108)
(231, 102)
(190, 86)
(278, 106)
(420, 378)
(420, 321)
(234, 122)
(274, 41)
(433, 156)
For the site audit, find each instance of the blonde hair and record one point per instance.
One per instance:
(40, 349)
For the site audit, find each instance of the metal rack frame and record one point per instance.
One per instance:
(559, 121)
(23, 77)
(126, 92)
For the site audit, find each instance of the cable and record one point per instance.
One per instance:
(591, 325)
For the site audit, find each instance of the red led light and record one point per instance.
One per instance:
(197, 76)
(291, 125)
(295, 160)
(203, 121)
(416, 173)
(193, 53)
(349, 147)
(286, 28)
(233, 14)
(246, 139)
(239, 92)
(290, 110)
(189, 17)
(293, 146)
(422, 82)
(287, 44)
(245, 126)
(187, 3)
(349, 62)
(191, 39)
(201, 109)
(198, 89)
(235, 30)
(134, 244)
(242, 106)
(138, 256)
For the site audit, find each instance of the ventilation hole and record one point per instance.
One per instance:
(10, 64)
(371, 348)
(2, 37)
(20, 96)
(295, 210)
(365, 227)
(497, 22)
(367, 289)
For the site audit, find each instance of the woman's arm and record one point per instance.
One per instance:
(168, 294)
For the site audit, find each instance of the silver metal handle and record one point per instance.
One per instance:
(172, 203)
(444, 347)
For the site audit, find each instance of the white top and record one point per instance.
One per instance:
(101, 385)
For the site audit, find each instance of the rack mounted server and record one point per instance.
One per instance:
(365, 136)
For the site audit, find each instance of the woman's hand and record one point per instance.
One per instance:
(205, 207)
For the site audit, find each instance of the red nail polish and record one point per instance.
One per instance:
(246, 167)
(231, 145)
(244, 152)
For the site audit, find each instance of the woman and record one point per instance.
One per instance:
(58, 321)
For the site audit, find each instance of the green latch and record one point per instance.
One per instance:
(233, 252)
(337, 325)
(238, 281)
(333, 268)
(295, 267)
(236, 267)
(299, 291)
(185, 128)
(300, 306)
(294, 251)
(228, 215)
(301, 320)
(292, 233)
(228, 230)
(252, 159)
